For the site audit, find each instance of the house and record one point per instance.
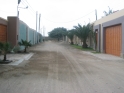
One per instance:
(110, 34)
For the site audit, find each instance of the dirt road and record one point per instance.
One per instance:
(56, 67)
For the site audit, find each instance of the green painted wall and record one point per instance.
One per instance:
(28, 34)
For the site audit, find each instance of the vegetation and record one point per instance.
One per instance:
(95, 52)
(70, 35)
(25, 43)
(58, 33)
(15, 49)
(82, 32)
(5, 48)
(84, 49)
(109, 12)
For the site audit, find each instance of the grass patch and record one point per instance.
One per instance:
(84, 49)
(95, 52)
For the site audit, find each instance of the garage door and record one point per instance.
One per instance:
(3, 33)
(113, 40)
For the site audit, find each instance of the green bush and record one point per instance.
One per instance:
(25, 43)
(15, 49)
(5, 48)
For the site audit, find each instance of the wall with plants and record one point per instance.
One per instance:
(28, 34)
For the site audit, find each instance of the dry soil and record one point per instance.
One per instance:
(56, 67)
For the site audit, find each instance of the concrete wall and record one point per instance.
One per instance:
(31, 36)
(26, 33)
(97, 29)
(22, 31)
(13, 30)
(17, 30)
(110, 17)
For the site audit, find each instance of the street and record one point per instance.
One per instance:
(56, 67)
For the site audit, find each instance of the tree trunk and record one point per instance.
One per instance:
(84, 43)
(25, 50)
(72, 43)
(4, 59)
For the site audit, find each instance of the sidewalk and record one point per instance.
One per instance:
(17, 58)
(105, 56)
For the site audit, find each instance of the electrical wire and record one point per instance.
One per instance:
(70, 20)
(29, 10)
(29, 5)
(24, 1)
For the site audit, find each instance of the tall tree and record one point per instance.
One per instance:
(58, 32)
(82, 32)
(70, 35)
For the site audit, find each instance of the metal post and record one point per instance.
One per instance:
(96, 14)
(17, 10)
(19, 1)
(36, 27)
(39, 26)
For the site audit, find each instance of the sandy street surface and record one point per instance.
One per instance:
(56, 67)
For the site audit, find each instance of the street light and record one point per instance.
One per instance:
(19, 1)
(21, 8)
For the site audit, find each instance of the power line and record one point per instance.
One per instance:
(28, 6)
(26, 2)
(29, 10)
(71, 20)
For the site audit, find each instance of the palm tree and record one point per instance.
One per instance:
(93, 35)
(82, 32)
(25, 44)
(109, 12)
(4, 47)
(70, 35)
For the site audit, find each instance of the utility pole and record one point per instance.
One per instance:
(44, 31)
(39, 21)
(36, 19)
(35, 33)
(96, 14)
(19, 1)
(39, 27)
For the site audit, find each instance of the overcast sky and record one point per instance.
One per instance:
(58, 13)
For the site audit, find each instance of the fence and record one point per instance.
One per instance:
(28, 34)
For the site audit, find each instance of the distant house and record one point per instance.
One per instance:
(110, 34)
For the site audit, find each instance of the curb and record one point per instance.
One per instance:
(21, 60)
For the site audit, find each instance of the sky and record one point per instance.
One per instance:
(58, 13)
